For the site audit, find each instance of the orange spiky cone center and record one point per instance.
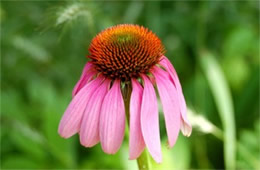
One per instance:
(125, 51)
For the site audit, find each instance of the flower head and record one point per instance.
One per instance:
(125, 51)
(128, 54)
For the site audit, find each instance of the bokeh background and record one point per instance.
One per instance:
(214, 46)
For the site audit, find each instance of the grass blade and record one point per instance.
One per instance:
(223, 99)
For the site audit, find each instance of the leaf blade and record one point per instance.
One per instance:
(224, 103)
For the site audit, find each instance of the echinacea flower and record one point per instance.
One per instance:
(120, 55)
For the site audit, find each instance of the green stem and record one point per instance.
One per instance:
(143, 160)
(126, 91)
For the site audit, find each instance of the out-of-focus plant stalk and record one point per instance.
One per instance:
(205, 126)
(224, 103)
(219, 88)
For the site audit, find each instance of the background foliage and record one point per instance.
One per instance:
(213, 45)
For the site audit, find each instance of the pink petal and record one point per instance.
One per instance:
(89, 129)
(70, 122)
(185, 124)
(186, 128)
(170, 103)
(112, 120)
(87, 73)
(136, 141)
(150, 120)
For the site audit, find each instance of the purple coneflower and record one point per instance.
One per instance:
(126, 56)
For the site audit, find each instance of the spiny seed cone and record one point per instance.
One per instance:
(125, 51)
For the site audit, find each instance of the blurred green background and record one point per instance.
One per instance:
(213, 45)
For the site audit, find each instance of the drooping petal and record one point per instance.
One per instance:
(150, 120)
(112, 120)
(87, 73)
(70, 122)
(170, 103)
(185, 124)
(186, 128)
(136, 141)
(89, 129)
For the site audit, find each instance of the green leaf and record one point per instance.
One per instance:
(223, 99)
(54, 106)
(19, 162)
(177, 157)
(7, 109)
(248, 148)
(30, 48)
(133, 11)
(28, 140)
(180, 154)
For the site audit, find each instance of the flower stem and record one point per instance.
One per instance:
(126, 91)
(143, 160)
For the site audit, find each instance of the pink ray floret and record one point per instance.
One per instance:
(112, 120)
(136, 141)
(97, 111)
